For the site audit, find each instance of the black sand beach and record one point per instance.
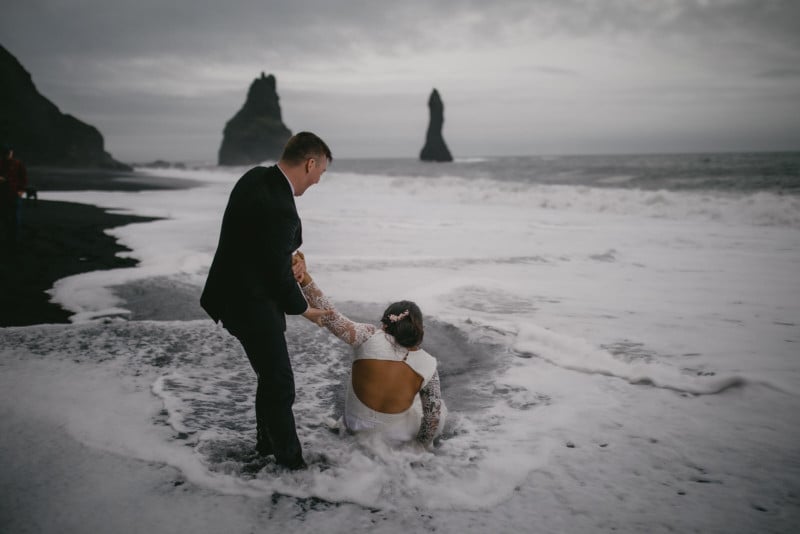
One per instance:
(61, 239)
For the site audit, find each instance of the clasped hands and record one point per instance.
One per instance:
(300, 270)
(315, 315)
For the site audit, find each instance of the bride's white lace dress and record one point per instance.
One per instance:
(424, 419)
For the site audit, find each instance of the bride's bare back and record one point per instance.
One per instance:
(385, 386)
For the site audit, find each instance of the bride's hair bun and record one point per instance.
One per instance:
(403, 320)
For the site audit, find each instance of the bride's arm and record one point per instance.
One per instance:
(431, 396)
(348, 331)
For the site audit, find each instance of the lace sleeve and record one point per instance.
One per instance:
(431, 396)
(340, 326)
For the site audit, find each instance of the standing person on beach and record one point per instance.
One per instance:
(251, 284)
(13, 182)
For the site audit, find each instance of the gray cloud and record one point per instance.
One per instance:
(182, 67)
(96, 28)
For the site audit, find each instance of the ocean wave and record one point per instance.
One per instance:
(760, 208)
(755, 208)
(578, 355)
(209, 174)
(471, 160)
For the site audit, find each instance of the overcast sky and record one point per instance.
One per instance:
(161, 78)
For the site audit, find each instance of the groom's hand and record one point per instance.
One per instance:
(298, 266)
(300, 270)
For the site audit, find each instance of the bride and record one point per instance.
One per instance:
(394, 385)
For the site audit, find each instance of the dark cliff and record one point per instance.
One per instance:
(256, 133)
(38, 131)
(435, 148)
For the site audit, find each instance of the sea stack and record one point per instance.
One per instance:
(256, 133)
(435, 148)
(37, 130)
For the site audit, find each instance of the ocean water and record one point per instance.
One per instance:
(618, 340)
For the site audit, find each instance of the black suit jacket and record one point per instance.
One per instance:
(252, 267)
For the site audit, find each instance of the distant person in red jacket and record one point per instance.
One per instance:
(13, 183)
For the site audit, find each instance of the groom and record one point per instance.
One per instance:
(251, 284)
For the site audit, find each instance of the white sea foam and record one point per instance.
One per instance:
(587, 337)
(578, 355)
(668, 259)
(470, 160)
(205, 400)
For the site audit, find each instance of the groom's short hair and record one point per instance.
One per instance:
(303, 146)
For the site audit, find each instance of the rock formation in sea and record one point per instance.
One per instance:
(256, 133)
(435, 148)
(38, 131)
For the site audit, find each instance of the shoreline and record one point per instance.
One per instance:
(67, 179)
(61, 239)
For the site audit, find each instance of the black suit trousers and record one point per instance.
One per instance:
(263, 340)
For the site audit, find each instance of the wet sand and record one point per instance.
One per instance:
(60, 239)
